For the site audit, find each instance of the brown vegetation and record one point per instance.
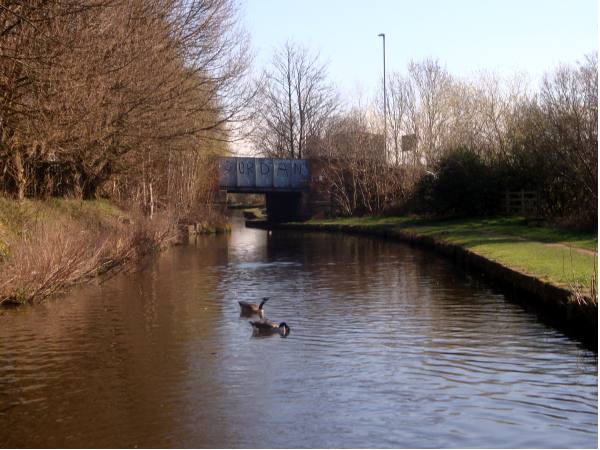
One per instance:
(445, 135)
(125, 100)
(356, 169)
(45, 254)
(544, 141)
(120, 99)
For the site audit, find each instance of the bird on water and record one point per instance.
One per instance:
(249, 309)
(266, 327)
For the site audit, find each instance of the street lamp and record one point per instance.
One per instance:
(382, 35)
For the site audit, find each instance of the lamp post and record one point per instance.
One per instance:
(382, 35)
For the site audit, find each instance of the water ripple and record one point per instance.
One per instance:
(389, 347)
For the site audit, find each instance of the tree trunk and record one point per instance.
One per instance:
(151, 202)
(19, 176)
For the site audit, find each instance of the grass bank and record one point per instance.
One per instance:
(558, 268)
(565, 258)
(48, 246)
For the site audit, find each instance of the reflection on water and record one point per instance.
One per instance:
(390, 347)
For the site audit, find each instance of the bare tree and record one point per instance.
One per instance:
(356, 168)
(569, 101)
(462, 128)
(494, 102)
(402, 111)
(295, 101)
(112, 91)
(431, 83)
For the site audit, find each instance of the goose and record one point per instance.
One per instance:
(266, 327)
(248, 309)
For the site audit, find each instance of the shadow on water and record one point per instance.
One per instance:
(389, 347)
(550, 314)
(550, 317)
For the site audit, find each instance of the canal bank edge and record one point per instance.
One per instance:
(553, 303)
(48, 246)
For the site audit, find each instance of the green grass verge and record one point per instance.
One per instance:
(561, 257)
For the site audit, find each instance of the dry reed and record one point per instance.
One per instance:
(53, 255)
(579, 293)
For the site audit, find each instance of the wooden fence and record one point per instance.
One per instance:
(522, 202)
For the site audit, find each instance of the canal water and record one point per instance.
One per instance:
(390, 346)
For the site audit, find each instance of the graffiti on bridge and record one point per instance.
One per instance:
(263, 173)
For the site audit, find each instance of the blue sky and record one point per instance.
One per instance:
(465, 35)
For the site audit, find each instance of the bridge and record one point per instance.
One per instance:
(263, 175)
(289, 188)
